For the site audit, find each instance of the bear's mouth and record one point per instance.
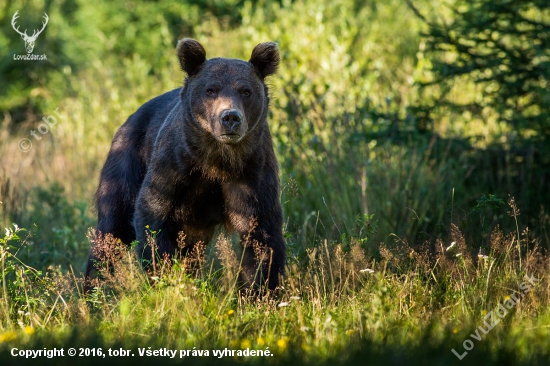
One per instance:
(230, 137)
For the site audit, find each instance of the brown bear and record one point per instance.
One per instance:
(195, 158)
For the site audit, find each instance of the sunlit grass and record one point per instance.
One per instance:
(330, 301)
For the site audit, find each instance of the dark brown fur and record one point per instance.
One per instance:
(196, 158)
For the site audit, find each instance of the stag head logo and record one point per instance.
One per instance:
(29, 40)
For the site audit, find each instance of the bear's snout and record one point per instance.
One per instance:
(231, 122)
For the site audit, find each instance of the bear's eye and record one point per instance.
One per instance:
(210, 92)
(247, 92)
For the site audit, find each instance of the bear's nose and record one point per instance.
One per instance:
(230, 119)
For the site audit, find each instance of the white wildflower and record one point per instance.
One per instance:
(367, 270)
(450, 246)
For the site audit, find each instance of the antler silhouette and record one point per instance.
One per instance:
(13, 19)
(34, 35)
(24, 34)
(29, 41)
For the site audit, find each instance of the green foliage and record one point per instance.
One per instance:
(490, 202)
(24, 289)
(59, 228)
(367, 227)
(502, 48)
(6, 256)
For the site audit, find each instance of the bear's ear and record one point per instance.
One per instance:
(191, 55)
(265, 58)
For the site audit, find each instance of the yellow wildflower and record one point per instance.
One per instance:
(10, 335)
(282, 343)
(245, 343)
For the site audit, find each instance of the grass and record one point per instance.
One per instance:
(400, 241)
(335, 305)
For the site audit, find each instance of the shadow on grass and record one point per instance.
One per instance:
(431, 349)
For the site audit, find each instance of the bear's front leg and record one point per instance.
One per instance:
(153, 220)
(166, 220)
(256, 215)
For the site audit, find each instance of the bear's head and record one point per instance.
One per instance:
(227, 97)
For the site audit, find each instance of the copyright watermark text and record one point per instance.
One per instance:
(141, 352)
(25, 144)
(493, 317)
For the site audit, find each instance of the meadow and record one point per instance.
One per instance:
(414, 188)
